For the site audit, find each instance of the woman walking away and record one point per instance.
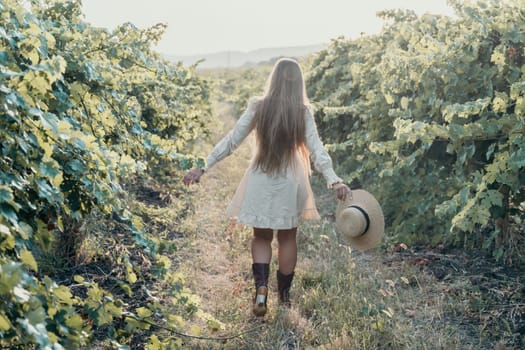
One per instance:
(275, 192)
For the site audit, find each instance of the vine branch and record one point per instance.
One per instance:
(185, 335)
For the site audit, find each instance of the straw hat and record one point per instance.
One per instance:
(360, 220)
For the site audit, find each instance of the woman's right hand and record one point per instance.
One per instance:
(192, 176)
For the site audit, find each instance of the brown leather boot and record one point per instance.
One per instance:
(260, 275)
(284, 282)
(259, 305)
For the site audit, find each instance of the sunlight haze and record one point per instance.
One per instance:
(206, 26)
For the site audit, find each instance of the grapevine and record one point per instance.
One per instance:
(83, 110)
(429, 115)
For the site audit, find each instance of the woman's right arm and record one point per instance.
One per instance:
(226, 145)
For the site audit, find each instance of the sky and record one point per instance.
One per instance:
(208, 26)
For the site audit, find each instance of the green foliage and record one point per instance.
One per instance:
(429, 115)
(81, 109)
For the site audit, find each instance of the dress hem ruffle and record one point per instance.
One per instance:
(275, 223)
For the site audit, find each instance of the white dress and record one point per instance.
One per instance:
(276, 202)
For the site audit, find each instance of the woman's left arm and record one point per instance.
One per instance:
(322, 160)
(233, 139)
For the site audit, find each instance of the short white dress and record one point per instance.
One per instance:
(275, 202)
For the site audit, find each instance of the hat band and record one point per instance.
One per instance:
(366, 218)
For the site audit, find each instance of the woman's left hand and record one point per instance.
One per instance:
(342, 191)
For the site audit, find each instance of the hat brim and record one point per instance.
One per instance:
(376, 229)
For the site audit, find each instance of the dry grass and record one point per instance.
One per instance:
(340, 299)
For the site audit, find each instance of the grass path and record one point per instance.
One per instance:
(341, 299)
(218, 258)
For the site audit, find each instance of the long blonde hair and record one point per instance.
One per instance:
(279, 119)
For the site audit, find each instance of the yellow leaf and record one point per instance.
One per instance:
(144, 312)
(108, 120)
(40, 84)
(131, 277)
(75, 321)
(53, 338)
(57, 180)
(137, 222)
(5, 230)
(64, 295)
(175, 320)
(26, 96)
(499, 104)
(404, 102)
(4, 323)
(33, 29)
(498, 58)
(51, 311)
(196, 330)
(379, 325)
(48, 148)
(164, 261)
(154, 343)
(113, 309)
(50, 40)
(520, 103)
(27, 259)
(28, 48)
(8, 242)
(78, 279)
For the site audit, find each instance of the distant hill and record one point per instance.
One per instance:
(232, 59)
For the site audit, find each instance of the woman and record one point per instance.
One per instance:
(275, 192)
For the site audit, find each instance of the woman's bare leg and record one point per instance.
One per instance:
(261, 255)
(287, 250)
(262, 245)
(287, 261)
